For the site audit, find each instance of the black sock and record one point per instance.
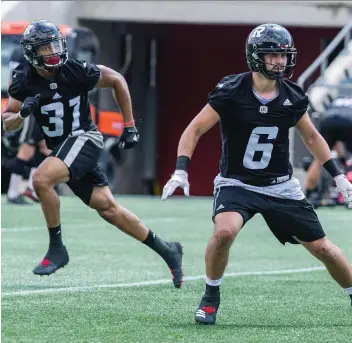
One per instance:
(351, 298)
(55, 236)
(158, 245)
(19, 167)
(212, 290)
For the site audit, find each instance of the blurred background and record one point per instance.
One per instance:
(172, 53)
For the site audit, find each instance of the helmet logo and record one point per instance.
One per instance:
(257, 33)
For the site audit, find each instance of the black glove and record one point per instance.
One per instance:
(29, 106)
(129, 138)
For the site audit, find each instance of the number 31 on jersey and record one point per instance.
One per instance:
(57, 118)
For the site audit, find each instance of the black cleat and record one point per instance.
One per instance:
(54, 259)
(174, 258)
(207, 309)
(19, 200)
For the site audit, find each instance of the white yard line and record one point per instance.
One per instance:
(152, 282)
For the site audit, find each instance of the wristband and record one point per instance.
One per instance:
(182, 163)
(332, 167)
(132, 122)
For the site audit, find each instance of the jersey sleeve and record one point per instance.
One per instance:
(301, 107)
(219, 98)
(92, 75)
(86, 74)
(300, 100)
(17, 85)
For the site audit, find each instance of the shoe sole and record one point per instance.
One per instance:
(204, 323)
(52, 272)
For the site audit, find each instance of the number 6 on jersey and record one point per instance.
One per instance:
(254, 145)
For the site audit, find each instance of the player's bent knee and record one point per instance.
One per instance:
(40, 181)
(322, 248)
(229, 221)
(224, 236)
(104, 203)
(109, 211)
(227, 226)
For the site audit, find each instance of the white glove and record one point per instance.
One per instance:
(178, 179)
(345, 188)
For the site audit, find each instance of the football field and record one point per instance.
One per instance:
(116, 289)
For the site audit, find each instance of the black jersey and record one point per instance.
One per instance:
(255, 137)
(64, 106)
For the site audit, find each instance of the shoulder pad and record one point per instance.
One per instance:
(299, 97)
(73, 67)
(81, 73)
(227, 86)
(19, 80)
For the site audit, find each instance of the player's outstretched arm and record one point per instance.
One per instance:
(318, 147)
(12, 121)
(110, 78)
(203, 122)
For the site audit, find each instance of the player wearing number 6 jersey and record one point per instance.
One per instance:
(54, 90)
(256, 110)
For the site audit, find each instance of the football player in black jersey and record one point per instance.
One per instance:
(256, 110)
(336, 126)
(54, 89)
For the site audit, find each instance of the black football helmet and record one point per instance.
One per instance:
(267, 39)
(40, 34)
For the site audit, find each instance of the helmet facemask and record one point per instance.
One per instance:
(48, 55)
(258, 57)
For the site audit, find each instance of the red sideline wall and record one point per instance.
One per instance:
(191, 60)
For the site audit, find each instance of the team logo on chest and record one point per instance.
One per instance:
(263, 109)
(53, 86)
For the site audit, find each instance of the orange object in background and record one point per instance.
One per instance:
(13, 28)
(17, 28)
(11, 33)
(110, 123)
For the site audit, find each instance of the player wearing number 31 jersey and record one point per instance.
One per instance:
(54, 90)
(63, 105)
(256, 110)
